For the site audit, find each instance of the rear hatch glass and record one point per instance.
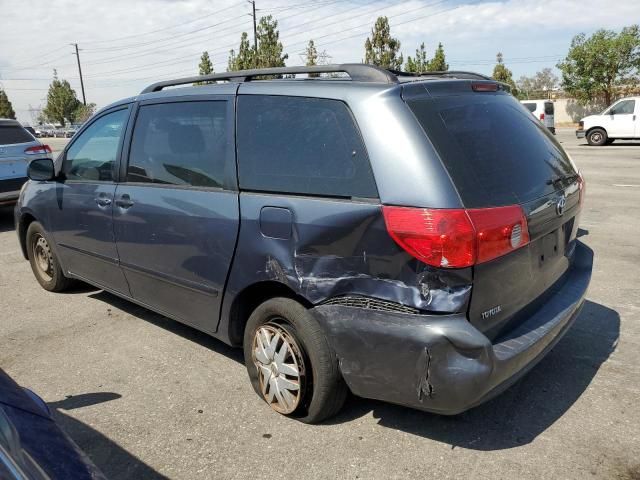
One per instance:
(14, 134)
(548, 108)
(498, 154)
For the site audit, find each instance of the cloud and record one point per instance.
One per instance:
(120, 56)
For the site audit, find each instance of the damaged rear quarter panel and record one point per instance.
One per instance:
(337, 247)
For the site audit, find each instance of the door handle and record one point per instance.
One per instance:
(124, 201)
(103, 201)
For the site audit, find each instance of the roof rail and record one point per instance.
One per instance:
(359, 72)
(462, 74)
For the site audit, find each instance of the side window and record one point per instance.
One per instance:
(92, 156)
(181, 143)
(301, 145)
(626, 107)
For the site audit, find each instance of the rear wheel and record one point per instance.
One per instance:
(597, 137)
(290, 363)
(44, 263)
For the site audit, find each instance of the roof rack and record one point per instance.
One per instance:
(359, 72)
(462, 74)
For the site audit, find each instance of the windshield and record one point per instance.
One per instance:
(496, 152)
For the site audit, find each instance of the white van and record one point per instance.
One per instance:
(543, 110)
(618, 121)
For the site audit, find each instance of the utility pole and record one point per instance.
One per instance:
(84, 100)
(255, 29)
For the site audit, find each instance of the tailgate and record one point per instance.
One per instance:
(498, 154)
(509, 288)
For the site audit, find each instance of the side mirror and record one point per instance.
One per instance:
(41, 170)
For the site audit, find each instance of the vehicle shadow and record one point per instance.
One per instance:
(528, 408)
(6, 219)
(114, 461)
(172, 326)
(514, 418)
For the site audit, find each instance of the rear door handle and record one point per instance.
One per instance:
(124, 201)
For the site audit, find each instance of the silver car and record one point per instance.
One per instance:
(17, 148)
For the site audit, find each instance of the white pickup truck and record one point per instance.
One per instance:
(618, 121)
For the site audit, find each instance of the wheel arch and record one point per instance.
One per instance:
(248, 299)
(26, 219)
(590, 129)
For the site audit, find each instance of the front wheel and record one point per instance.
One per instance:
(597, 137)
(290, 363)
(44, 262)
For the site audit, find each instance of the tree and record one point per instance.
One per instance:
(312, 57)
(419, 63)
(597, 66)
(83, 112)
(6, 109)
(382, 49)
(205, 67)
(245, 57)
(62, 102)
(538, 85)
(269, 46)
(503, 74)
(438, 63)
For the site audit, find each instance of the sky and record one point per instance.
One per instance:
(128, 44)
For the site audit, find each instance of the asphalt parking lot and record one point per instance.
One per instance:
(148, 398)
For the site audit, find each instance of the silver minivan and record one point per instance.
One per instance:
(543, 110)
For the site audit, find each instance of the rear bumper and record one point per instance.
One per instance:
(580, 133)
(442, 363)
(10, 189)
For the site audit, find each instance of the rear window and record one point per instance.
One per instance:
(308, 146)
(14, 134)
(548, 108)
(182, 143)
(530, 106)
(496, 152)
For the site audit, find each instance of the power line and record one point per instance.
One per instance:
(218, 12)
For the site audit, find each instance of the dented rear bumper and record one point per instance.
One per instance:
(442, 363)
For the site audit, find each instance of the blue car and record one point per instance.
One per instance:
(32, 446)
(408, 238)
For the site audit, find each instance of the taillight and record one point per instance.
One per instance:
(542, 116)
(457, 238)
(499, 231)
(581, 188)
(38, 150)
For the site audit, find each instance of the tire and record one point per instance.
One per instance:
(597, 137)
(44, 262)
(320, 391)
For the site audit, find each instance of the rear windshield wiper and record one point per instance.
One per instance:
(562, 178)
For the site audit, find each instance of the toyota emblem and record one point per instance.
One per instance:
(562, 201)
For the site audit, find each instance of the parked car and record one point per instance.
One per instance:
(411, 239)
(32, 445)
(544, 111)
(30, 129)
(17, 148)
(618, 121)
